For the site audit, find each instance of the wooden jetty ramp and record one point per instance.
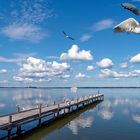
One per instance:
(16, 120)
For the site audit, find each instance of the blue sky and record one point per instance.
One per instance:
(34, 52)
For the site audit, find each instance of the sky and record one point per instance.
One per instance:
(35, 52)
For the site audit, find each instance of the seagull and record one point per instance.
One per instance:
(66, 36)
(131, 8)
(129, 25)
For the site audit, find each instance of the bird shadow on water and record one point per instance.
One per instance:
(54, 124)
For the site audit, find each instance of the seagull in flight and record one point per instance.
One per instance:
(129, 25)
(131, 8)
(67, 36)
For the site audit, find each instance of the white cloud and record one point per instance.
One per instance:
(20, 57)
(80, 76)
(3, 70)
(8, 60)
(76, 55)
(124, 65)
(135, 59)
(23, 32)
(26, 20)
(85, 37)
(103, 24)
(113, 74)
(34, 69)
(105, 63)
(22, 79)
(90, 68)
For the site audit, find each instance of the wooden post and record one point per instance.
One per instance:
(9, 130)
(39, 121)
(10, 119)
(18, 131)
(40, 106)
(9, 134)
(58, 110)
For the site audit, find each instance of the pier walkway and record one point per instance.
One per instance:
(16, 120)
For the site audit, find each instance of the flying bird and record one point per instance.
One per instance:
(130, 25)
(67, 36)
(131, 8)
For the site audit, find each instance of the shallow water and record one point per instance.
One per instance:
(117, 117)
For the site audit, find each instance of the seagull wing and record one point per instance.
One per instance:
(131, 8)
(64, 33)
(71, 38)
(126, 25)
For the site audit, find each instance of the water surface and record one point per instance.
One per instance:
(117, 117)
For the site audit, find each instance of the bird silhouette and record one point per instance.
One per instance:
(67, 36)
(131, 8)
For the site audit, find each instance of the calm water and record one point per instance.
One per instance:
(117, 117)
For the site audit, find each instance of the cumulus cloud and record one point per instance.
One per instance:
(33, 69)
(103, 24)
(3, 71)
(113, 74)
(124, 65)
(90, 68)
(76, 55)
(85, 37)
(105, 63)
(135, 59)
(80, 76)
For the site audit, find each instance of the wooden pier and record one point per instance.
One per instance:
(16, 120)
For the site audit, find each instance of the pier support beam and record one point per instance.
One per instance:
(18, 130)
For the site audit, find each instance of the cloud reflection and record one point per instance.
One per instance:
(80, 122)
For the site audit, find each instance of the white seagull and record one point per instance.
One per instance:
(129, 25)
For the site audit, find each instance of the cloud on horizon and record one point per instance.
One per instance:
(34, 69)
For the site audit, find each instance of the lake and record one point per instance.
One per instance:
(117, 117)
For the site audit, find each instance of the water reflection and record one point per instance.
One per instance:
(106, 113)
(73, 122)
(120, 110)
(2, 105)
(136, 117)
(80, 122)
